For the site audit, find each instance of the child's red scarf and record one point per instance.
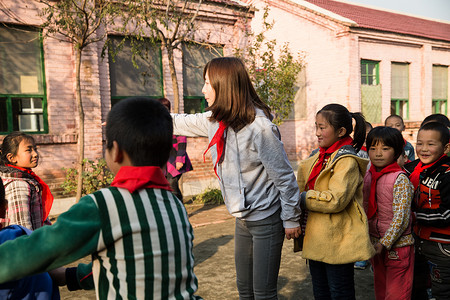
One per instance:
(325, 153)
(218, 140)
(415, 175)
(136, 178)
(46, 195)
(393, 167)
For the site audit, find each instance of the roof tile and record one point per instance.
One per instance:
(376, 19)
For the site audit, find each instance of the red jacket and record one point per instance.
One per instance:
(432, 202)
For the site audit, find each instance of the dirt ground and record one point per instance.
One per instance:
(214, 262)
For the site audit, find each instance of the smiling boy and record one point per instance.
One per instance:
(430, 177)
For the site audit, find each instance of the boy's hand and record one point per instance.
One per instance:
(293, 232)
(178, 165)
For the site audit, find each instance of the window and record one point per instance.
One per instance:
(370, 72)
(143, 77)
(400, 90)
(370, 91)
(195, 58)
(23, 103)
(440, 89)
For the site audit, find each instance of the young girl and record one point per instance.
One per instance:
(29, 198)
(331, 181)
(179, 162)
(387, 201)
(256, 179)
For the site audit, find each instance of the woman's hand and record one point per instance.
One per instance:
(293, 232)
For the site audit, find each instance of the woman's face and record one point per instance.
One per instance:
(208, 91)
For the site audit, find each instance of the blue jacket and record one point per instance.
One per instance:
(36, 287)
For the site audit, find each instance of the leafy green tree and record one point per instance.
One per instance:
(274, 76)
(81, 23)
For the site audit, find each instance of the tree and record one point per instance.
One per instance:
(78, 22)
(169, 22)
(274, 77)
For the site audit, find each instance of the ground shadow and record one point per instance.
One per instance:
(208, 248)
(193, 209)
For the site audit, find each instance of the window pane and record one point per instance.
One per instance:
(126, 79)
(369, 72)
(27, 114)
(195, 58)
(20, 68)
(192, 106)
(394, 108)
(440, 82)
(402, 109)
(371, 69)
(400, 81)
(3, 115)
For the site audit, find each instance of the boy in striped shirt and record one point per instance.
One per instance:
(136, 231)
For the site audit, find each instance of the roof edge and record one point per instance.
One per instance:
(324, 12)
(391, 11)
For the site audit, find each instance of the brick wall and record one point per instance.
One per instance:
(58, 148)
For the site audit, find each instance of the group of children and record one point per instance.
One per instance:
(139, 235)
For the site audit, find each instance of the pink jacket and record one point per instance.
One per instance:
(382, 221)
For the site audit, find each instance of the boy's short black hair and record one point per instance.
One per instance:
(389, 136)
(143, 128)
(439, 127)
(394, 116)
(436, 118)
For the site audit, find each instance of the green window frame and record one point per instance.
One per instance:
(195, 57)
(140, 74)
(439, 102)
(23, 98)
(370, 72)
(400, 89)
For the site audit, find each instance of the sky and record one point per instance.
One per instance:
(435, 9)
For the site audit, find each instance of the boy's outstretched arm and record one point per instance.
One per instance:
(73, 236)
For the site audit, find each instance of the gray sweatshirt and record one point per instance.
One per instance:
(255, 176)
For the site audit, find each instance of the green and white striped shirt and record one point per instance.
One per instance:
(141, 245)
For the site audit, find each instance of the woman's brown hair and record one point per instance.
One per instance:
(236, 98)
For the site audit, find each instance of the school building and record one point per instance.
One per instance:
(375, 61)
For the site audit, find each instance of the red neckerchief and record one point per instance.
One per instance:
(136, 178)
(46, 195)
(324, 153)
(415, 175)
(393, 167)
(364, 148)
(218, 140)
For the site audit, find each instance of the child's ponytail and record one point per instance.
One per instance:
(360, 130)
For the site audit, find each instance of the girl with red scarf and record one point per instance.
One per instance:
(29, 198)
(331, 181)
(387, 201)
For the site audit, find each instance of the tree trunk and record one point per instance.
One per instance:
(81, 123)
(173, 75)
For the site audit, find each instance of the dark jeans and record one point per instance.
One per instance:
(432, 263)
(332, 281)
(173, 182)
(257, 253)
